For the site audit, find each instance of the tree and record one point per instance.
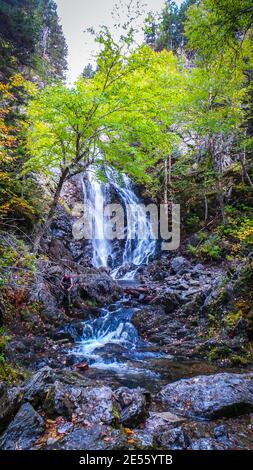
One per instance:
(220, 32)
(88, 71)
(31, 38)
(167, 31)
(51, 49)
(211, 116)
(213, 26)
(118, 117)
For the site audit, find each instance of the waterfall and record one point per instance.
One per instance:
(95, 197)
(136, 250)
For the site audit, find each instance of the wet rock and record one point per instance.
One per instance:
(61, 334)
(38, 386)
(210, 396)
(180, 265)
(24, 430)
(110, 349)
(133, 404)
(10, 400)
(99, 287)
(71, 359)
(98, 437)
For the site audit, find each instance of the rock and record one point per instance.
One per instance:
(18, 352)
(155, 426)
(10, 400)
(206, 444)
(210, 396)
(180, 265)
(38, 386)
(58, 402)
(168, 299)
(24, 430)
(172, 439)
(62, 335)
(98, 437)
(98, 405)
(134, 405)
(158, 421)
(198, 268)
(99, 287)
(220, 431)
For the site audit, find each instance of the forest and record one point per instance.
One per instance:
(118, 344)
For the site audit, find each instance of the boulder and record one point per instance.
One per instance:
(172, 439)
(207, 443)
(10, 400)
(158, 421)
(98, 437)
(98, 405)
(134, 405)
(155, 426)
(38, 386)
(211, 396)
(24, 430)
(58, 401)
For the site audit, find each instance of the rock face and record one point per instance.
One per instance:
(24, 430)
(210, 396)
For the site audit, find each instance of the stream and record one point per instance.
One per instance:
(110, 343)
(116, 354)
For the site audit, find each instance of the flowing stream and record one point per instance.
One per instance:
(110, 343)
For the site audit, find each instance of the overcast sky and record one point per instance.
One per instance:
(78, 15)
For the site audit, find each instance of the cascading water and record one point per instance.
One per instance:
(111, 342)
(139, 244)
(95, 197)
(111, 345)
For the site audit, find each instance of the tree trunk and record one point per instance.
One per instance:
(220, 199)
(166, 181)
(244, 170)
(51, 212)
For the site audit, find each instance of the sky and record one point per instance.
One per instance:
(78, 15)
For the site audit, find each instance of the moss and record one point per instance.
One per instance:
(10, 374)
(116, 414)
(232, 319)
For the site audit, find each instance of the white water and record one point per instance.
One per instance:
(111, 342)
(96, 196)
(138, 249)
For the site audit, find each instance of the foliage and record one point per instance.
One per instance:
(17, 264)
(167, 31)
(210, 249)
(31, 38)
